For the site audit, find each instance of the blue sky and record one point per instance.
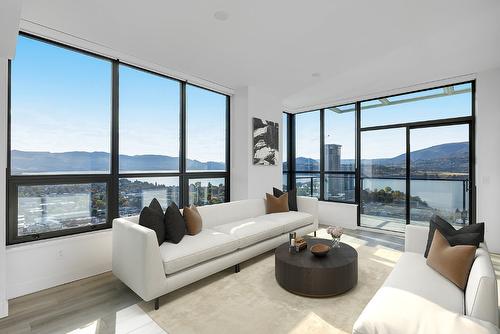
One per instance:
(339, 128)
(61, 101)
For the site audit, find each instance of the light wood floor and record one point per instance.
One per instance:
(70, 306)
(66, 308)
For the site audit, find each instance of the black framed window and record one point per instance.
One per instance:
(415, 153)
(91, 139)
(60, 103)
(285, 151)
(417, 158)
(323, 154)
(205, 191)
(205, 130)
(307, 142)
(137, 192)
(149, 122)
(339, 153)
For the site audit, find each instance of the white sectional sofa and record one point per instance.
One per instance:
(232, 233)
(416, 299)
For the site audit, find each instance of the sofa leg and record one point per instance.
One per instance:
(237, 268)
(157, 303)
(314, 233)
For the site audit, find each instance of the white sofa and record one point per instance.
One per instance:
(232, 233)
(416, 299)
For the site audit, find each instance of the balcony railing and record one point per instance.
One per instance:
(447, 197)
(308, 185)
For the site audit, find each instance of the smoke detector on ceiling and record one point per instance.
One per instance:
(221, 15)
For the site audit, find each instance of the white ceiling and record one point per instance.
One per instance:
(358, 47)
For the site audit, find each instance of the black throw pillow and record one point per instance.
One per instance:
(175, 227)
(472, 234)
(151, 219)
(474, 228)
(156, 206)
(292, 198)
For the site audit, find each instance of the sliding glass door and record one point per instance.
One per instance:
(400, 158)
(416, 158)
(383, 179)
(440, 174)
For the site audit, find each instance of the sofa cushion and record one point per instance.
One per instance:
(412, 288)
(194, 249)
(291, 220)
(395, 311)
(412, 274)
(252, 230)
(225, 213)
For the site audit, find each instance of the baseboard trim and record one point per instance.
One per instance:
(26, 288)
(381, 231)
(4, 309)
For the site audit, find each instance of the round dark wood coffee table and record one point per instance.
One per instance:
(305, 274)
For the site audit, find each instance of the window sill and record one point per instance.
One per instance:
(56, 240)
(339, 202)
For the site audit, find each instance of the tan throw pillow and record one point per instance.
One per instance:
(276, 204)
(453, 262)
(192, 219)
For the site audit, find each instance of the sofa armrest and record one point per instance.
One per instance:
(416, 238)
(136, 259)
(481, 293)
(309, 205)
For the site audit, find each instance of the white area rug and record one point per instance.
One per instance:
(253, 302)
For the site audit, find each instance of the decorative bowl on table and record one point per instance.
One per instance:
(320, 250)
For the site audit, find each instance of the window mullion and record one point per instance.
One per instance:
(322, 155)
(183, 180)
(113, 191)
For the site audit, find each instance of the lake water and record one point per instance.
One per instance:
(444, 195)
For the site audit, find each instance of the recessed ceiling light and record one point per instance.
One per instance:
(315, 75)
(221, 15)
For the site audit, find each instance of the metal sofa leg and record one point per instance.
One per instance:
(236, 268)
(157, 303)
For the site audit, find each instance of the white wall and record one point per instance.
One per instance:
(488, 155)
(10, 12)
(338, 214)
(3, 166)
(247, 179)
(39, 265)
(240, 143)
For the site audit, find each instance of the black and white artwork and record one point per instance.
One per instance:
(265, 142)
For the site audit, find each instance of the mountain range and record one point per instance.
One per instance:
(26, 162)
(453, 157)
(450, 151)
